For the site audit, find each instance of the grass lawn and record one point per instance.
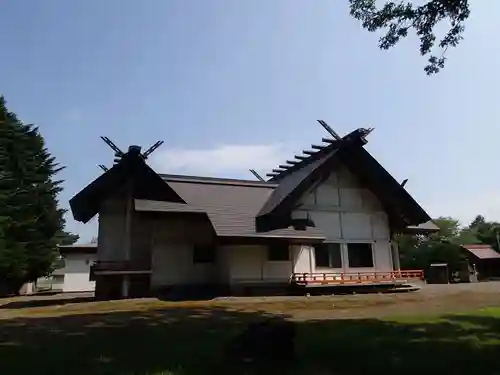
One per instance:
(153, 337)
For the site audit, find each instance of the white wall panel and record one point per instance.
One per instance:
(172, 264)
(327, 195)
(328, 222)
(250, 264)
(351, 199)
(77, 273)
(382, 250)
(380, 226)
(246, 263)
(356, 226)
(370, 202)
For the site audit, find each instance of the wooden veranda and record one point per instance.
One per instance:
(319, 279)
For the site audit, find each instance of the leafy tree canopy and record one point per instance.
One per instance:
(398, 18)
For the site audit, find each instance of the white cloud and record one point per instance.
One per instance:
(225, 160)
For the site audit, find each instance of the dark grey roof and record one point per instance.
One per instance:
(217, 180)
(77, 245)
(290, 182)
(230, 207)
(78, 248)
(246, 208)
(85, 205)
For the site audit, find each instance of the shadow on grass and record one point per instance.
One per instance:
(64, 300)
(193, 341)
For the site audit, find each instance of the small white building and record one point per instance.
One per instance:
(75, 275)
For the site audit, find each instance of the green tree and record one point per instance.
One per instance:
(449, 230)
(487, 232)
(418, 251)
(398, 18)
(66, 238)
(31, 224)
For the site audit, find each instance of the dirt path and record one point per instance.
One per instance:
(431, 299)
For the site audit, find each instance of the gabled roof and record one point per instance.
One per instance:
(403, 210)
(132, 167)
(427, 227)
(276, 211)
(253, 209)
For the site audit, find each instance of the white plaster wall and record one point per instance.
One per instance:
(172, 264)
(249, 263)
(346, 212)
(77, 273)
(383, 256)
(172, 254)
(245, 263)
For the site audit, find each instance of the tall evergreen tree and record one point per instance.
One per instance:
(31, 224)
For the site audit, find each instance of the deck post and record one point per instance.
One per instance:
(395, 256)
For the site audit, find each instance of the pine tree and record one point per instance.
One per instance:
(31, 224)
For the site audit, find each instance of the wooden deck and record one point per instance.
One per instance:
(355, 278)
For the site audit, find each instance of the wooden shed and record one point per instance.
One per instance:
(484, 259)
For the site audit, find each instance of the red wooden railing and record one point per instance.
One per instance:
(332, 278)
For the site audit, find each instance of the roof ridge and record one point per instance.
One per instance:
(216, 180)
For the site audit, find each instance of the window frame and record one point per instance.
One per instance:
(280, 246)
(372, 254)
(326, 246)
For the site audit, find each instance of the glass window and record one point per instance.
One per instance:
(321, 256)
(278, 252)
(328, 255)
(360, 255)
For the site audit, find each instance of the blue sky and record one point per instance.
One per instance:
(241, 84)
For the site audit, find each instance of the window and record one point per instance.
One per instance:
(328, 255)
(204, 254)
(360, 254)
(278, 252)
